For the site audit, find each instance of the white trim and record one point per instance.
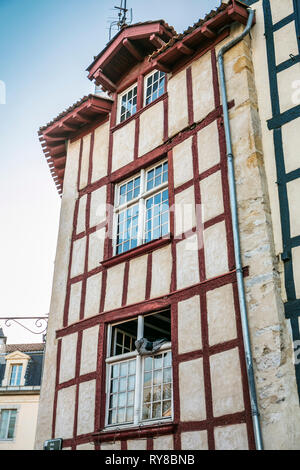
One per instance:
(120, 96)
(140, 200)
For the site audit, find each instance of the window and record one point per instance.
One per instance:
(155, 86)
(7, 423)
(15, 375)
(142, 208)
(139, 385)
(128, 103)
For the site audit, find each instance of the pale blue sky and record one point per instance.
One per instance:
(45, 48)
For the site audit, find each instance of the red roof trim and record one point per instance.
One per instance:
(202, 32)
(123, 40)
(65, 126)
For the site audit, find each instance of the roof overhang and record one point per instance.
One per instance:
(129, 47)
(199, 36)
(67, 125)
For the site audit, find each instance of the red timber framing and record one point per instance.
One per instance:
(176, 295)
(89, 112)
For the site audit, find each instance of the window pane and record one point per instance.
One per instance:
(128, 106)
(122, 392)
(156, 396)
(155, 86)
(4, 424)
(127, 229)
(123, 339)
(157, 218)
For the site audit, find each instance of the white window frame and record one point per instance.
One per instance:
(19, 375)
(9, 409)
(145, 86)
(138, 398)
(141, 201)
(125, 92)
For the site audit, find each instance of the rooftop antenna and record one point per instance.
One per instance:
(122, 18)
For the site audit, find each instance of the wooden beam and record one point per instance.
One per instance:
(67, 127)
(58, 150)
(59, 162)
(162, 67)
(49, 140)
(78, 117)
(156, 41)
(184, 49)
(207, 32)
(101, 79)
(132, 49)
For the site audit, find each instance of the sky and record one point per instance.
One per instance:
(45, 48)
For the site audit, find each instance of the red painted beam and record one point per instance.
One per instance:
(207, 32)
(156, 41)
(162, 67)
(101, 79)
(133, 50)
(184, 49)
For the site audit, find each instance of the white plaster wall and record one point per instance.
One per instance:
(65, 413)
(151, 128)
(208, 147)
(58, 294)
(89, 350)
(192, 404)
(226, 383)
(96, 247)
(81, 219)
(74, 304)
(177, 108)
(92, 295)
(161, 272)
(78, 257)
(232, 437)
(203, 91)
(183, 162)
(100, 154)
(187, 264)
(68, 358)
(221, 315)
(189, 325)
(215, 249)
(85, 161)
(114, 287)
(194, 440)
(137, 280)
(98, 206)
(86, 407)
(211, 196)
(123, 145)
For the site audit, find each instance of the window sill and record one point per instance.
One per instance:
(142, 431)
(138, 251)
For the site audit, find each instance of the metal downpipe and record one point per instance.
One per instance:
(236, 235)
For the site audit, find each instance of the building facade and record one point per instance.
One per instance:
(20, 381)
(146, 341)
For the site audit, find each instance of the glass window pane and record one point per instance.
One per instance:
(4, 423)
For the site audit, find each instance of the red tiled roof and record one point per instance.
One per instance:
(9, 348)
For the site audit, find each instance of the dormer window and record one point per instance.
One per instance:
(128, 103)
(154, 86)
(16, 375)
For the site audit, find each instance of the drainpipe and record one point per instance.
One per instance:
(236, 235)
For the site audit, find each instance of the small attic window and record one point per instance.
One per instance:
(154, 86)
(128, 103)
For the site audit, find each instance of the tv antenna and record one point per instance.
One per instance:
(122, 18)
